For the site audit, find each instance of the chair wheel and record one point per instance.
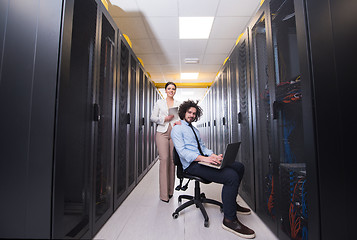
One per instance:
(203, 195)
(175, 215)
(206, 224)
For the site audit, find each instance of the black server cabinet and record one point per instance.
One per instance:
(292, 204)
(234, 97)
(122, 125)
(145, 124)
(150, 124)
(214, 113)
(219, 115)
(243, 118)
(29, 48)
(282, 176)
(225, 109)
(132, 117)
(329, 139)
(73, 193)
(83, 176)
(209, 118)
(140, 123)
(265, 176)
(68, 141)
(104, 122)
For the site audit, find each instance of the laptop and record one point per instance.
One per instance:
(229, 156)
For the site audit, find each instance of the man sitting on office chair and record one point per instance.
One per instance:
(191, 150)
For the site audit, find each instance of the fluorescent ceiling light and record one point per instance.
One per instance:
(189, 75)
(195, 27)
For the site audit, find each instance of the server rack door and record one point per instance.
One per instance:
(122, 132)
(133, 120)
(146, 102)
(140, 123)
(104, 119)
(157, 97)
(244, 122)
(288, 131)
(204, 122)
(219, 115)
(153, 125)
(234, 102)
(211, 117)
(73, 189)
(30, 35)
(264, 175)
(214, 114)
(150, 124)
(225, 109)
(208, 119)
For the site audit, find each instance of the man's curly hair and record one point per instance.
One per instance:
(187, 105)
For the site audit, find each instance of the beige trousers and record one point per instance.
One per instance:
(165, 147)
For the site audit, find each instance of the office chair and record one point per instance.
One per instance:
(199, 198)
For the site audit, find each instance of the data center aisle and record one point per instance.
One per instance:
(143, 216)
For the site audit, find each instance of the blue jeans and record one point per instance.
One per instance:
(230, 177)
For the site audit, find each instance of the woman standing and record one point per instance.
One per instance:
(165, 122)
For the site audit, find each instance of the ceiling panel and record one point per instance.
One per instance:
(228, 27)
(132, 26)
(192, 47)
(151, 59)
(220, 46)
(197, 8)
(153, 67)
(234, 8)
(143, 46)
(162, 27)
(213, 59)
(169, 59)
(164, 46)
(158, 8)
(186, 68)
(208, 68)
(207, 77)
(119, 8)
(170, 68)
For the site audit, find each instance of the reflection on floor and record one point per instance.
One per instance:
(143, 216)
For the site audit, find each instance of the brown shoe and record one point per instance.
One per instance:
(238, 228)
(243, 210)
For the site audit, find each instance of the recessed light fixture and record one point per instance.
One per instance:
(195, 27)
(186, 76)
(191, 60)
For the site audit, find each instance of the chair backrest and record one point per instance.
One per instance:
(177, 162)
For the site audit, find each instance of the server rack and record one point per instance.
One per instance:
(290, 74)
(74, 115)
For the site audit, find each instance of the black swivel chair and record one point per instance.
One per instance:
(199, 198)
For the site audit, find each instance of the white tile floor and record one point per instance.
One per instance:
(143, 216)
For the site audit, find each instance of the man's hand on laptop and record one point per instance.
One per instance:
(215, 159)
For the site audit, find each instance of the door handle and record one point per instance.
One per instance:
(128, 121)
(96, 112)
(277, 105)
(240, 117)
